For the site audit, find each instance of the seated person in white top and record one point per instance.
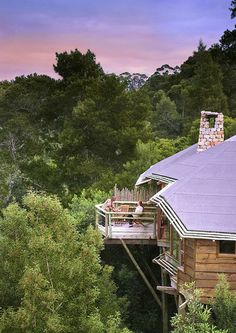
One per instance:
(138, 211)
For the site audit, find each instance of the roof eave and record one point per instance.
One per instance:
(180, 227)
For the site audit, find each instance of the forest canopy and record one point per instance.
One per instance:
(64, 144)
(86, 129)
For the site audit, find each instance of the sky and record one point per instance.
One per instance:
(125, 35)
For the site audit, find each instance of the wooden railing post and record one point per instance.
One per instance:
(154, 227)
(110, 225)
(106, 224)
(165, 315)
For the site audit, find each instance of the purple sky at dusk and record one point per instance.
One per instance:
(125, 35)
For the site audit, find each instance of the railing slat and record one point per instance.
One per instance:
(135, 194)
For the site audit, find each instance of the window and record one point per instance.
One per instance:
(226, 247)
(174, 244)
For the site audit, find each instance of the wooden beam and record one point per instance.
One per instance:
(167, 290)
(134, 241)
(154, 294)
(163, 243)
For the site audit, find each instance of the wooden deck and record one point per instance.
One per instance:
(124, 231)
(115, 225)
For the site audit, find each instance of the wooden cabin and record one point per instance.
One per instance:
(196, 210)
(192, 212)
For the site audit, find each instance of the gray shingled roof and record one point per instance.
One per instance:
(203, 195)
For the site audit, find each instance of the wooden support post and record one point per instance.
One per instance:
(153, 292)
(165, 316)
(158, 222)
(171, 240)
(154, 227)
(182, 302)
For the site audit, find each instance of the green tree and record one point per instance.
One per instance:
(224, 305)
(166, 120)
(233, 9)
(196, 320)
(82, 207)
(28, 136)
(76, 64)
(146, 155)
(102, 134)
(207, 90)
(51, 276)
(224, 53)
(180, 94)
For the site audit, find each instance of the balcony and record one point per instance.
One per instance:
(115, 225)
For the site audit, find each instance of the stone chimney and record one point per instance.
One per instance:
(211, 130)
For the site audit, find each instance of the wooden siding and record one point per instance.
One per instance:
(187, 272)
(203, 264)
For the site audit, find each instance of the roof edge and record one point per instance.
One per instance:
(180, 227)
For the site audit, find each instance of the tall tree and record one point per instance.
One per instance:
(224, 53)
(51, 277)
(233, 9)
(76, 64)
(206, 88)
(166, 120)
(102, 133)
(224, 305)
(147, 154)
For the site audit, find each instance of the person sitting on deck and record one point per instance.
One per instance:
(138, 211)
(109, 204)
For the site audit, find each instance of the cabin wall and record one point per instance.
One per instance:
(208, 264)
(202, 264)
(186, 273)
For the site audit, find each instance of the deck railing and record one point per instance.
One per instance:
(137, 194)
(112, 222)
(168, 262)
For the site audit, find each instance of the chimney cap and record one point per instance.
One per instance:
(210, 113)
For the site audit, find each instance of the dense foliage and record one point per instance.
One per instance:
(76, 137)
(224, 305)
(196, 320)
(51, 276)
(217, 317)
(87, 130)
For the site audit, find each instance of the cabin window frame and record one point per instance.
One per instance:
(182, 252)
(225, 254)
(177, 244)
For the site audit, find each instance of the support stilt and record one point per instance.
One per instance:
(165, 316)
(148, 268)
(157, 299)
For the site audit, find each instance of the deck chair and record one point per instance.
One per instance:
(123, 209)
